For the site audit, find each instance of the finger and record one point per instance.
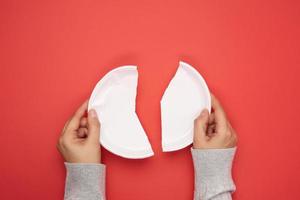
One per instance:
(83, 122)
(233, 140)
(211, 130)
(211, 118)
(219, 114)
(232, 131)
(93, 126)
(82, 132)
(200, 126)
(65, 127)
(75, 120)
(230, 127)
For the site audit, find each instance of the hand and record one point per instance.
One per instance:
(213, 131)
(79, 140)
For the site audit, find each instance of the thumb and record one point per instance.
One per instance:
(93, 126)
(200, 126)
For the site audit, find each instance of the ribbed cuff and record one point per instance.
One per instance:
(85, 181)
(212, 172)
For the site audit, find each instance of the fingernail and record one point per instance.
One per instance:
(204, 113)
(93, 113)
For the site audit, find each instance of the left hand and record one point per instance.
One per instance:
(79, 140)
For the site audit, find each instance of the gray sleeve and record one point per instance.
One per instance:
(85, 181)
(213, 180)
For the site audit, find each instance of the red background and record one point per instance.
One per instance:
(53, 53)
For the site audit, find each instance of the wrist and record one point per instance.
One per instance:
(83, 158)
(83, 161)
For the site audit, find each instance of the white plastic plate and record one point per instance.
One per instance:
(185, 97)
(113, 98)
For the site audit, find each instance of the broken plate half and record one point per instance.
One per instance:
(185, 97)
(113, 98)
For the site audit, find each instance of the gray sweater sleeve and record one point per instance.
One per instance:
(85, 181)
(213, 179)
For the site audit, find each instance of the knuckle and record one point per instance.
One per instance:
(226, 134)
(235, 138)
(62, 142)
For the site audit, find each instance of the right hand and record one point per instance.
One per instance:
(213, 131)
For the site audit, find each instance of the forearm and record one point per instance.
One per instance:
(85, 181)
(213, 179)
